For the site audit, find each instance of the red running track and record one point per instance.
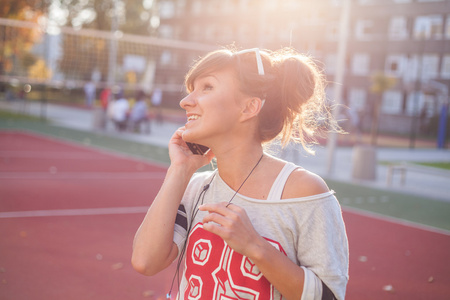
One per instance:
(68, 215)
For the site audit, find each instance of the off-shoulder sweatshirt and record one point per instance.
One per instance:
(310, 231)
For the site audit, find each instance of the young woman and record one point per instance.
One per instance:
(257, 227)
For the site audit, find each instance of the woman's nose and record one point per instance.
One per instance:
(187, 101)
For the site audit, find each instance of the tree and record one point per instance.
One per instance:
(16, 9)
(17, 42)
(380, 83)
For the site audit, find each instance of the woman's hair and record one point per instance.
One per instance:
(292, 86)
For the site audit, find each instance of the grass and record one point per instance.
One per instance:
(398, 205)
(441, 165)
(14, 117)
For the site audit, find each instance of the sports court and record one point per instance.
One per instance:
(68, 214)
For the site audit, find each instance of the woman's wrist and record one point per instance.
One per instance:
(182, 172)
(258, 251)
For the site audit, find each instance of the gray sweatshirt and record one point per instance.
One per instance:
(310, 231)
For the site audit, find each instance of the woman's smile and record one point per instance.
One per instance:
(192, 117)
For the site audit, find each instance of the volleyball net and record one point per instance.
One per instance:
(63, 59)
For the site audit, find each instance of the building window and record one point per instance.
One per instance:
(332, 31)
(181, 7)
(411, 69)
(398, 29)
(330, 64)
(212, 7)
(226, 33)
(210, 32)
(243, 4)
(357, 99)
(366, 2)
(166, 9)
(445, 67)
(165, 31)
(226, 7)
(392, 102)
(428, 27)
(430, 66)
(396, 65)
(196, 7)
(166, 57)
(336, 2)
(447, 27)
(360, 64)
(244, 32)
(364, 29)
(414, 103)
(196, 32)
(424, 67)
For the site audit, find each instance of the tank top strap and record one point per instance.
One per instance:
(278, 186)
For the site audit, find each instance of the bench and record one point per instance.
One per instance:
(403, 167)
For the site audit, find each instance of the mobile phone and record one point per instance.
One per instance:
(197, 148)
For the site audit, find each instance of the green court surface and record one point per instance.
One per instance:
(402, 206)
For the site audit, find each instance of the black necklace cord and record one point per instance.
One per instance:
(229, 202)
(201, 197)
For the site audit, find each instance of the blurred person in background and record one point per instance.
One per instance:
(139, 112)
(156, 103)
(89, 93)
(105, 96)
(257, 226)
(119, 111)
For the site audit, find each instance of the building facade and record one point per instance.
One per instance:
(408, 40)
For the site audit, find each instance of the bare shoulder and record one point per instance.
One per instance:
(302, 183)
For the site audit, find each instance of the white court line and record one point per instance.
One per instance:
(53, 174)
(377, 216)
(52, 155)
(93, 148)
(143, 209)
(74, 212)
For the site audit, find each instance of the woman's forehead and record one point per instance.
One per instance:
(218, 75)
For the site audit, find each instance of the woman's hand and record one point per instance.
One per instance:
(232, 224)
(181, 155)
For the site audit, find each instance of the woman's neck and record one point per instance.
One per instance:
(236, 164)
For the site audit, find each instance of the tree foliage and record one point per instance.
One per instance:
(16, 42)
(20, 9)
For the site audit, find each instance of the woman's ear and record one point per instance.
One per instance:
(251, 108)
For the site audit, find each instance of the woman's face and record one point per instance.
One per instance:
(212, 108)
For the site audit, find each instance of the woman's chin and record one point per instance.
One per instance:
(188, 136)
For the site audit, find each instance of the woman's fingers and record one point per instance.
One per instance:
(230, 222)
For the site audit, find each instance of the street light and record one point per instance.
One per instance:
(339, 78)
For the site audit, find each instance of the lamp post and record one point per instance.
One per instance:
(344, 25)
(112, 59)
(417, 88)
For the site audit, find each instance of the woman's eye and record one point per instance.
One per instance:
(207, 87)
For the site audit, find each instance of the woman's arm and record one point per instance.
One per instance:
(153, 246)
